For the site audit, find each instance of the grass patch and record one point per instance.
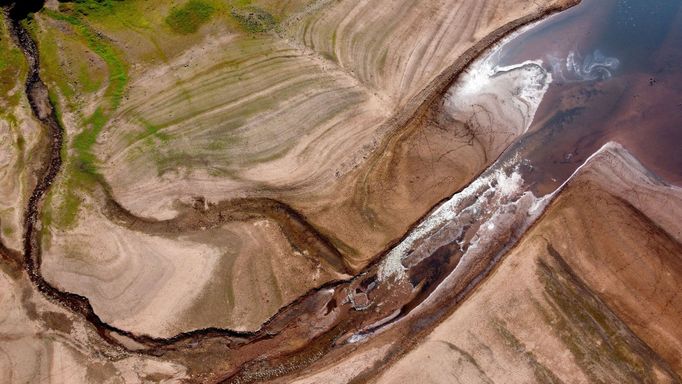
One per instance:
(88, 79)
(189, 17)
(12, 62)
(240, 3)
(91, 7)
(154, 130)
(253, 19)
(117, 69)
(118, 74)
(53, 71)
(11, 68)
(121, 12)
(85, 159)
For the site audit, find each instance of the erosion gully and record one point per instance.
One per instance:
(327, 322)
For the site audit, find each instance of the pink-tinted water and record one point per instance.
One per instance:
(632, 95)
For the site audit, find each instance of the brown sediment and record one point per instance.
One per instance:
(302, 332)
(360, 207)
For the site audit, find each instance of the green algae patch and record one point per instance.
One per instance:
(7, 231)
(540, 371)
(153, 131)
(189, 17)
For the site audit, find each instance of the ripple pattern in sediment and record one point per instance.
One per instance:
(246, 118)
(301, 118)
(399, 46)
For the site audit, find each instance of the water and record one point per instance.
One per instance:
(617, 69)
(19, 9)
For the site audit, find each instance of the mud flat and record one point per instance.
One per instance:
(45, 342)
(267, 197)
(189, 279)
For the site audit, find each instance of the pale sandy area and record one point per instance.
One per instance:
(17, 167)
(42, 343)
(134, 281)
(235, 276)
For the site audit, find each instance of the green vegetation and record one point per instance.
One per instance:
(12, 72)
(91, 7)
(83, 142)
(89, 82)
(50, 60)
(189, 17)
(153, 130)
(7, 231)
(254, 19)
(117, 69)
(150, 132)
(111, 12)
(11, 63)
(80, 170)
(163, 31)
(240, 3)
